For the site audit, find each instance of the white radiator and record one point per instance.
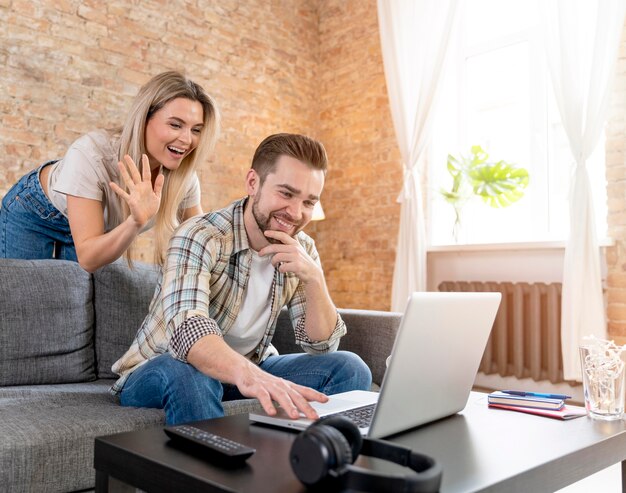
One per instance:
(526, 338)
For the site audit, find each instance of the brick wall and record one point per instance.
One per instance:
(357, 241)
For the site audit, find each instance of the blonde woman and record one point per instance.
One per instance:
(110, 186)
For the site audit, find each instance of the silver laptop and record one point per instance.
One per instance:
(435, 358)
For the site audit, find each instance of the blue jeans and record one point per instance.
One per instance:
(189, 395)
(30, 226)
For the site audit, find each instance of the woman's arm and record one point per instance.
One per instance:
(94, 247)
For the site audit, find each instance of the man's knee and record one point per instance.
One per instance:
(177, 387)
(356, 369)
(164, 380)
(189, 384)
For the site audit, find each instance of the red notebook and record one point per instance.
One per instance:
(566, 412)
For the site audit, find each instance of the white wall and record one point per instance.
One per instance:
(522, 262)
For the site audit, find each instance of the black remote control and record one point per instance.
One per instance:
(214, 446)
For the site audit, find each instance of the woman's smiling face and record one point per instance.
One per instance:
(173, 132)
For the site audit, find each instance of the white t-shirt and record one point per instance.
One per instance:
(86, 170)
(254, 313)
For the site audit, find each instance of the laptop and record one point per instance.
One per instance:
(433, 364)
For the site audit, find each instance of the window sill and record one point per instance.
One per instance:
(531, 245)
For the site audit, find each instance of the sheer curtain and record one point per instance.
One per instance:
(582, 39)
(415, 37)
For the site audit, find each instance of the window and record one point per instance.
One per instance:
(498, 94)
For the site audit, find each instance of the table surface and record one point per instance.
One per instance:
(480, 449)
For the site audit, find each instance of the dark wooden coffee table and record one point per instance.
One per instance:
(480, 449)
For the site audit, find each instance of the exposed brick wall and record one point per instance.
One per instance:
(357, 241)
(616, 196)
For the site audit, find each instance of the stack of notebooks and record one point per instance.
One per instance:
(549, 405)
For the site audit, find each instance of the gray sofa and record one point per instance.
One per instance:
(60, 331)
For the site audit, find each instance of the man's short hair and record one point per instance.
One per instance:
(300, 147)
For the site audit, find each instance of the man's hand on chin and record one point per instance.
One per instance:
(290, 256)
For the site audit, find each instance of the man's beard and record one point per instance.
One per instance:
(263, 222)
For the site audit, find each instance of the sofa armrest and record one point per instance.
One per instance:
(370, 335)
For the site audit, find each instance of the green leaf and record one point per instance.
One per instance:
(479, 156)
(499, 184)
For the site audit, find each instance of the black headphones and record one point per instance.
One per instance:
(322, 456)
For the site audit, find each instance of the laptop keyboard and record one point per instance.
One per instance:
(362, 416)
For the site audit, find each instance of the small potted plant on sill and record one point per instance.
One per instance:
(497, 183)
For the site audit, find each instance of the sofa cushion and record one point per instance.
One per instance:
(121, 299)
(48, 433)
(46, 328)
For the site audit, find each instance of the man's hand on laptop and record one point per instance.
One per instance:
(293, 398)
(212, 356)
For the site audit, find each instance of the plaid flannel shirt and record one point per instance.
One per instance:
(201, 288)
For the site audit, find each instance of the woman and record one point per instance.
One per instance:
(91, 205)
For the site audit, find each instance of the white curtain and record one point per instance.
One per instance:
(415, 37)
(582, 39)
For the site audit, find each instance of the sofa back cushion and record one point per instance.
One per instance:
(121, 299)
(371, 335)
(46, 323)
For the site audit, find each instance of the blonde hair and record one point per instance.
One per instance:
(155, 94)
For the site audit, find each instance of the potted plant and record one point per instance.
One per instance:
(497, 183)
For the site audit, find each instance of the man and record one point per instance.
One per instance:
(227, 274)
